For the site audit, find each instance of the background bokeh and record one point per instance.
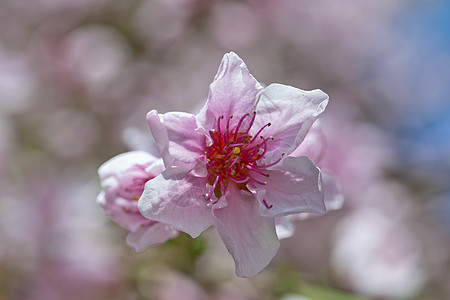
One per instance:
(78, 77)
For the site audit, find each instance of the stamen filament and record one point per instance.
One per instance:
(238, 126)
(267, 205)
(262, 128)
(215, 141)
(251, 122)
(239, 181)
(272, 164)
(212, 189)
(227, 131)
(257, 181)
(256, 170)
(219, 130)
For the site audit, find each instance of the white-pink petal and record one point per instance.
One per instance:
(147, 236)
(291, 112)
(177, 138)
(232, 93)
(284, 227)
(176, 199)
(122, 162)
(295, 186)
(250, 238)
(314, 144)
(333, 197)
(114, 208)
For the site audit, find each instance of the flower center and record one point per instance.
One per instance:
(133, 182)
(131, 188)
(234, 156)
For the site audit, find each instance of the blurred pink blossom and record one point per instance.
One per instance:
(355, 153)
(88, 58)
(239, 32)
(161, 22)
(50, 237)
(17, 82)
(229, 165)
(62, 130)
(377, 256)
(178, 286)
(123, 178)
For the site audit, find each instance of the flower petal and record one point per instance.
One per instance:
(334, 199)
(250, 238)
(177, 138)
(122, 162)
(284, 227)
(114, 207)
(314, 145)
(116, 175)
(332, 195)
(233, 92)
(291, 112)
(176, 199)
(295, 186)
(147, 236)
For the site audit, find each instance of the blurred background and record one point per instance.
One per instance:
(78, 77)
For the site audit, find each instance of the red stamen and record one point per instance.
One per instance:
(234, 155)
(257, 181)
(218, 125)
(227, 131)
(251, 167)
(212, 189)
(266, 205)
(238, 126)
(267, 125)
(239, 181)
(272, 164)
(251, 122)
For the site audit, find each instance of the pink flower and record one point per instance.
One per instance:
(123, 178)
(378, 255)
(229, 165)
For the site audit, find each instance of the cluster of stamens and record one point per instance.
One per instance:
(234, 156)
